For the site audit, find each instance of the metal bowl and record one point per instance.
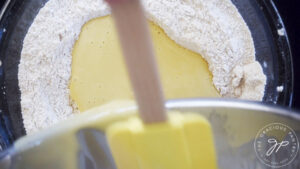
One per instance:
(272, 51)
(80, 143)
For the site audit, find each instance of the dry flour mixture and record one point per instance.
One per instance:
(213, 28)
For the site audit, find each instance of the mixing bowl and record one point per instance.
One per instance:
(272, 51)
(241, 130)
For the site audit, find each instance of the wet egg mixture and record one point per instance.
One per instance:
(99, 74)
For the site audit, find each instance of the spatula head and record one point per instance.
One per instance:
(185, 141)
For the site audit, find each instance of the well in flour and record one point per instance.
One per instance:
(213, 28)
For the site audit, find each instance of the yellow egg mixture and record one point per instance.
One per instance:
(99, 74)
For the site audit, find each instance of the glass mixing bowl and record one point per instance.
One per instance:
(237, 128)
(272, 51)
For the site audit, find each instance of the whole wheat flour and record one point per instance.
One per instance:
(212, 28)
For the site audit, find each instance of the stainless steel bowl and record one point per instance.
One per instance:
(272, 51)
(80, 142)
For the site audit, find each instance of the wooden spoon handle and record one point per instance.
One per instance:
(139, 56)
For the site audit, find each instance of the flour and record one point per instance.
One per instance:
(212, 28)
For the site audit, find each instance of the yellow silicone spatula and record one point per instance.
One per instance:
(158, 141)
